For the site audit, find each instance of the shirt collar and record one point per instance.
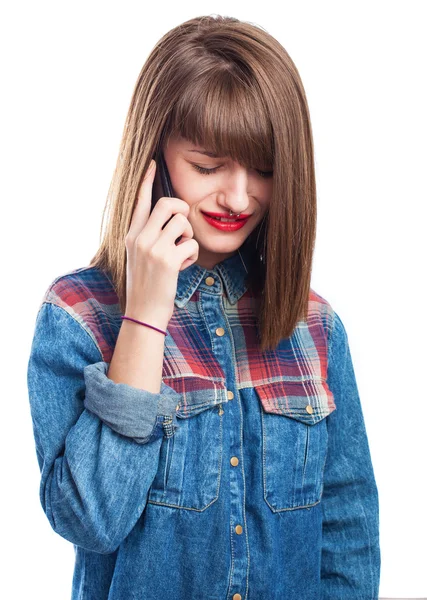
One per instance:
(229, 275)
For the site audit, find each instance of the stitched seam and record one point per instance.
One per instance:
(331, 342)
(84, 581)
(191, 287)
(206, 324)
(87, 331)
(169, 419)
(264, 476)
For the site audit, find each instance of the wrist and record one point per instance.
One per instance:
(148, 318)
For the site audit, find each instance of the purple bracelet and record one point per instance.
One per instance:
(146, 324)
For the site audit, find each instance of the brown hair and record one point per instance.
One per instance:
(229, 86)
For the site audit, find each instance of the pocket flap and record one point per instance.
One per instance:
(197, 393)
(306, 400)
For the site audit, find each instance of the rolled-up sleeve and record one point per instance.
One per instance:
(135, 413)
(97, 442)
(351, 560)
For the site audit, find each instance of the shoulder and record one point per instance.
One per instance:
(87, 294)
(335, 339)
(321, 311)
(75, 289)
(321, 308)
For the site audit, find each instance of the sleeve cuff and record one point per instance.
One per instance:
(130, 411)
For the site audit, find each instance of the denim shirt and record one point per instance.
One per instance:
(248, 476)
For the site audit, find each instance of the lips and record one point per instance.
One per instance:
(229, 226)
(241, 217)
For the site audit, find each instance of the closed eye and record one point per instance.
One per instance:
(205, 171)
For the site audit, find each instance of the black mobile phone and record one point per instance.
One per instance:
(162, 185)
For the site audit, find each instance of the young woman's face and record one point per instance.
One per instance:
(227, 186)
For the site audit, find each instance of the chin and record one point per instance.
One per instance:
(219, 246)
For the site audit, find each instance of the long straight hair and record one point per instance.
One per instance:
(229, 86)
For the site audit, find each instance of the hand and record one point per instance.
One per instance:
(153, 258)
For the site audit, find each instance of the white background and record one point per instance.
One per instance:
(68, 71)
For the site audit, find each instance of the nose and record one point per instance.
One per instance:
(235, 194)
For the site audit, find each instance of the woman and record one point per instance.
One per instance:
(196, 415)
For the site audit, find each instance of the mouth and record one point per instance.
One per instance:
(225, 217)
(219, 221)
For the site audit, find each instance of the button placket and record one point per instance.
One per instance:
(223, 353)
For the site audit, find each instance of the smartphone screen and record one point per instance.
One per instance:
(162, 185)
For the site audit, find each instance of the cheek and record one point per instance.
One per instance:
(266, 195)
(267, 188)
(190, 187)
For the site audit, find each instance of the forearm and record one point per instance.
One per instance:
(138, 355)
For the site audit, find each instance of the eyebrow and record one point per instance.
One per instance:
(206, 152)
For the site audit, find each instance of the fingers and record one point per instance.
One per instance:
(166, 210)
(186, 252)
(165, 223)
(178, 225)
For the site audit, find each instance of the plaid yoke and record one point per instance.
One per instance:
(289, 380)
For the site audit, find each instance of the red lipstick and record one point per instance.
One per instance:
(227, 215)
(233, 224)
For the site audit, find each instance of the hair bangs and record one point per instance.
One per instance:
(223, 115)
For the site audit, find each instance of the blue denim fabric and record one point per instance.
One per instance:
(151, 501)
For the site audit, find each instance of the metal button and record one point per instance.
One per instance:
(237, 597)
(309, 409)
(209, 280)
(230, 395)
(219, 331)
(239, 529)
(234, 461)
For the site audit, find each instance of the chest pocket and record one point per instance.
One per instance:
(294, 441)
(189, 471)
